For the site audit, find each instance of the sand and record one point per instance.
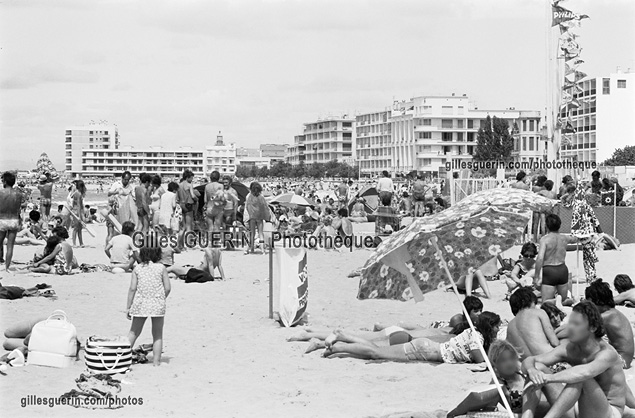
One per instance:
(224, 357)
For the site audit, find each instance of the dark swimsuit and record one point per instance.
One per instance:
(515, 396)
(555, 275)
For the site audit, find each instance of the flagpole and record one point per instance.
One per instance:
(499, 387)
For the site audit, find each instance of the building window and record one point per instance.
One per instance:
(524, 126)
(427, 122)
(459, 123)
(531, 143)
(531, 125)
(446, 136)
(470, 136)
(446, 110)
(470, 124)
(621, 84)
(524, 143)
(446, 123)
(459, 136)
(606, 86)
(425, 135)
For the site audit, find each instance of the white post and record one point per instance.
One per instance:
(434, 242)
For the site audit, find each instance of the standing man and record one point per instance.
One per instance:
(10, 205)
(418, 196)
(385, 187)
(46, 189)
(596, 379)
(342, 194)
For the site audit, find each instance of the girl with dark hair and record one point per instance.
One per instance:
(149, 287)
(57, 257)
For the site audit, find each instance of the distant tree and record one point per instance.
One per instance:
(263, 173)
(316, 170)
(494, 142)
(254, 171)
(243, 171)
(622, 156)
(298, 170)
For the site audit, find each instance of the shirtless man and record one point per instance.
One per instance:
(46, 189)
(10, 204)
(551, 271)
(596, 381)
(618, 328)
(418, 196)
(530, 331)
(342, 194)
(625, 290)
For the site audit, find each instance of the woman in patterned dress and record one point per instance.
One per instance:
(149, 287)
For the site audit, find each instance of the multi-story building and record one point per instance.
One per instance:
(220, 157)
(325, 140)
(372, 142)
(154, 160)
(604, 121)
(100, 135)
(242, 152)
(425, 133)
(295, 152)
(275, 152)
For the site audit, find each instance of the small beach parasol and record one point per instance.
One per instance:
(292, 199)
(241, 190)
(371, 200)
(415, 260)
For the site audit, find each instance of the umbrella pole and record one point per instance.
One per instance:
(434, 242)
(577, 270)
(271, 278)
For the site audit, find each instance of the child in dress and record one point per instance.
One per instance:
(258, 211)
(149, 287)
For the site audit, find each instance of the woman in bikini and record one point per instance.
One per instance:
(463, 348)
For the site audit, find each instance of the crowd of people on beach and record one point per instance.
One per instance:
(543, 357)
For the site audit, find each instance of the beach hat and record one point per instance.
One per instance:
(43, 178)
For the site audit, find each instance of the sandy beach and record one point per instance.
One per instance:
(224, 357)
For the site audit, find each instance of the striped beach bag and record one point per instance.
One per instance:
(107, 355)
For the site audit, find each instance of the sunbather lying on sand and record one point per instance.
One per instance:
(473, 305)
(388, 336)
(211, 261)
(463, 348)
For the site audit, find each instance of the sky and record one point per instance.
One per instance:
(176, 72)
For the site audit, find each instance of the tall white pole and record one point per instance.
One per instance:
(554, 82)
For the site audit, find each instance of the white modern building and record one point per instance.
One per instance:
(424, 133)
(275, 152)
(220, 157)
(153, 160)
(325, 140)
(95, 135)
(605, 119)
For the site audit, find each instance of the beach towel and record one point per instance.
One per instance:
(95, 392)
(198, 276)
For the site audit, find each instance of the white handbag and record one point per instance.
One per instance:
(107, 355)
(53, 342)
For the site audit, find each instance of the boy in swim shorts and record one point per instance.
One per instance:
(10, 204)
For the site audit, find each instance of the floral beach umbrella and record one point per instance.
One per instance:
(512, 200)
(45, 165)
(407, 265)
(292, 199)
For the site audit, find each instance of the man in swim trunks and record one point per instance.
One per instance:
(342, 194)
(596, 381)
(551, 271)
(46, 189)
(619, 332)
(10, 204)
